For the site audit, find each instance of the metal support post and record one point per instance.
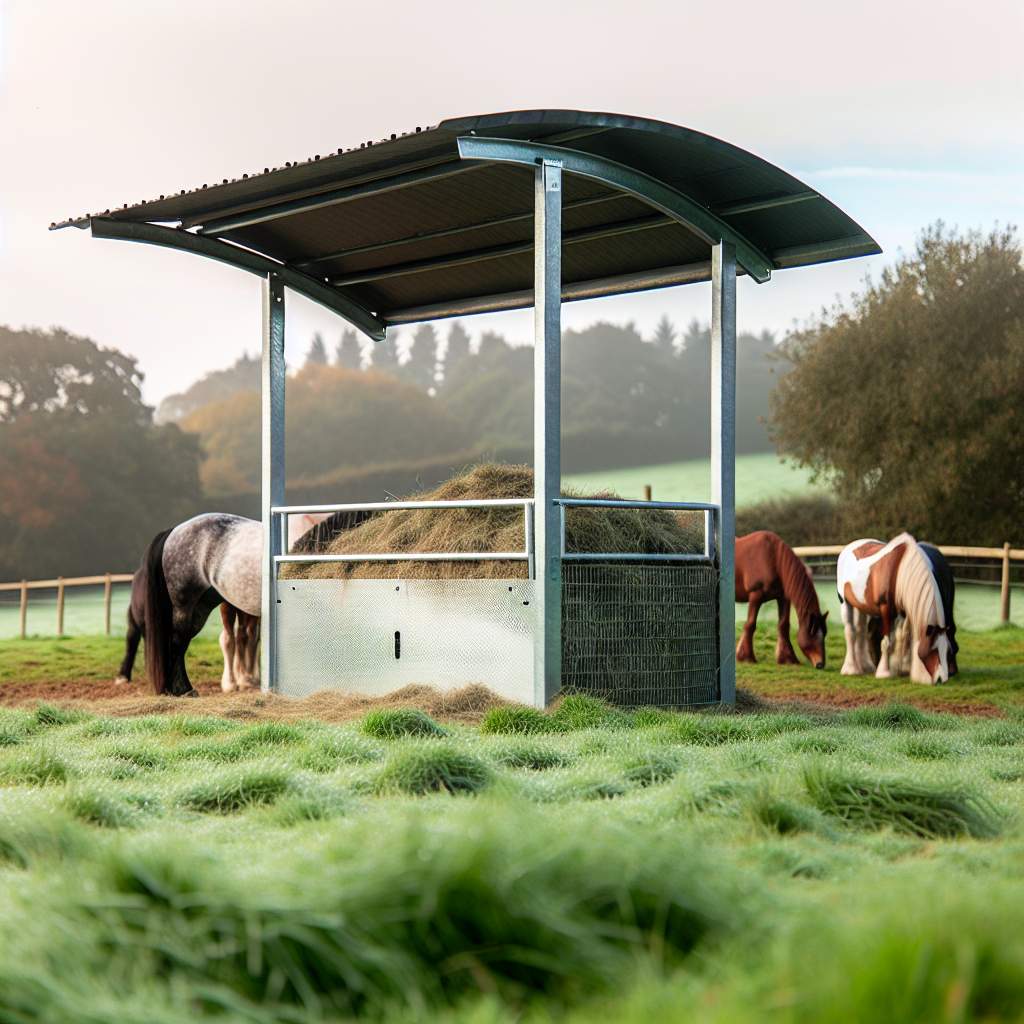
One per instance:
(723, 454)
(547, 429)
(272, 460)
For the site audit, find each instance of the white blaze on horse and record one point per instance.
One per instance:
(875, 579)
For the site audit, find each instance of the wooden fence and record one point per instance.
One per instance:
(61, 584)
(1004, 555)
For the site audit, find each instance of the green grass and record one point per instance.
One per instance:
(780, 866)
(854, 863)
(758, 478)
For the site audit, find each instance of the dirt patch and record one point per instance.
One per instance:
(467, 705)
(839, 698)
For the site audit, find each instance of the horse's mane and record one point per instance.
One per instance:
(797, 583)
(917, 593)
(318, 537)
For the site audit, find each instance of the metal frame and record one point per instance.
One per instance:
(723, 454)
(681, 208)
(711, 513)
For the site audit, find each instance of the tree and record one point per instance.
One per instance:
(349, 353)
(665, 336)
(457, 353)
(909, 399)
(317, 354)
(420, 368)
(384, 355)
(242, 375)
(88, 479)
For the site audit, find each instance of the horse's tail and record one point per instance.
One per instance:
(157, 625)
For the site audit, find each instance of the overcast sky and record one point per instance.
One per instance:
(901, 112)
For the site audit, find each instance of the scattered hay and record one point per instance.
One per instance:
(437, 768)
(397, 723)
(915, 808)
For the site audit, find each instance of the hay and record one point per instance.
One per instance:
(492, 529)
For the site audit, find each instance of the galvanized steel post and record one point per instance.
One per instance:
(723, 454)
(272, 469)
(547, 428)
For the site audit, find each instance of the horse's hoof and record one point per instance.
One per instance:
(191, 693)
(121, 681)
(227, 687)
(847, 670)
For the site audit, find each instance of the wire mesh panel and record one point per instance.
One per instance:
(641, 635)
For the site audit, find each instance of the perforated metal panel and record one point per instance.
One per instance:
(374, 636)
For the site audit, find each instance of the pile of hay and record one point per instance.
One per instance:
(493, 529)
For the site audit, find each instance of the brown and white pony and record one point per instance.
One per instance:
(768, 570)
(888, 580)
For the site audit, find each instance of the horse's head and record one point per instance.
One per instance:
(932, 662)
(811, 638)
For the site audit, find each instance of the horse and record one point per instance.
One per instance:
(768, 570)
(886, 580)
(213, 558)
(947, 592)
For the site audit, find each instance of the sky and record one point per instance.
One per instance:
(902, 112)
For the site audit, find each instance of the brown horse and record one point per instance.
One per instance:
(768, 570)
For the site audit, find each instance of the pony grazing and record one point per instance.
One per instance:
(887, 580)
(768, 570)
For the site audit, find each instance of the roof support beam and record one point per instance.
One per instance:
(669, 201)
(426, 236)
(498, 251)
(765, 203)
(244, 259)
(667, 277)
(332, 197)
(837, 249)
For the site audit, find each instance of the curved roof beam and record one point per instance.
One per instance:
(213, 248)
(679, 207)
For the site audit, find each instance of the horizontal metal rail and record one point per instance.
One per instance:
(397, 506)
(706, 508)
(407, 556)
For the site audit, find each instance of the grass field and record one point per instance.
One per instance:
(583, 865)
(758, 478)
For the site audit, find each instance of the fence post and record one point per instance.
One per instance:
(1004, 587)
(647, 492)
(106, 603)
(60, 606)
(23, 608)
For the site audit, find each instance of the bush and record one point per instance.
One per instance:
(915, 808)
(394, 723)
(811, 519)
(229, 793)
(515, 719)
(433, 769)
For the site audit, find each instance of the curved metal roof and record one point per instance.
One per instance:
(439, 221)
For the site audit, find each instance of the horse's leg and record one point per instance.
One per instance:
(851, 663)
(131, 647)
(784, 653)
(745, 648)
(883, 671)
(252, 647)
(228, 647)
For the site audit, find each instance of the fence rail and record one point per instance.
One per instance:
(1004, 555)
(60, 584)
